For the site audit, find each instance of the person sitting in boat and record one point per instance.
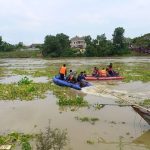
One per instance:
(107, 72)
(103, 73)
(69, 76)
(81, 80)
(72, 77)
(95, 72)
(84, 73)
(63, 72)
(111, 72)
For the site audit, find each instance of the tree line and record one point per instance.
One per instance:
(59, 45)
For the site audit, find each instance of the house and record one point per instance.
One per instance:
(78, 43)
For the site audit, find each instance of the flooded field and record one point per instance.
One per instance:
(116, 126)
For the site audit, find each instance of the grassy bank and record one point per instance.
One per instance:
(21, 54)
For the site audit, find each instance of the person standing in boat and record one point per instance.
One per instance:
(63, 71)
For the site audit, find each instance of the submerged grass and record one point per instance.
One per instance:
(87, 119)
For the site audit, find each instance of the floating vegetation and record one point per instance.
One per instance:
(23, 91)
(145, 103)
(25, 80)
(87, 119)
(90, 142)
(48, 140)
(50, 71)
(98, 106)
(2, 71)
(20, 72)
(72, 101)
(17, 138)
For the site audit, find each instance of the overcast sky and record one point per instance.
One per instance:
(29, 21)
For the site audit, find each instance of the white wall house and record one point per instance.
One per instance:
(78, 42)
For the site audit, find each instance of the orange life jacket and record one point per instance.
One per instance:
(103, 73)
(63, 70)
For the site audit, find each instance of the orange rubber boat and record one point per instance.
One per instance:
(89, 77)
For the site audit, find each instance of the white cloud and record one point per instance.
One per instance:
(37, 18)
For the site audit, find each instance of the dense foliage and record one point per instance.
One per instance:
(59, 45)
(142, 41)
(4, 46)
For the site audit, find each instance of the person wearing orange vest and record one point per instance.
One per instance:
(63, 71)
(103, 73)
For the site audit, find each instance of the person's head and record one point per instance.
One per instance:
(110, 64)
(70, 70)
(64, 65)
(81, 72)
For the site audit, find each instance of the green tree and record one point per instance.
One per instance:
(119, 41)
(54, 46)
(63, 40)
(51, 46)
(88, 40)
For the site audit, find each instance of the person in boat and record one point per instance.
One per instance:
(69, 76)
(81, 80)
(103, 73)
(95, 72)
(84, 73)
(63, 71)
(111, 72)
(72, 77)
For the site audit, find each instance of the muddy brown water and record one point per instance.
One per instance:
(118, 127)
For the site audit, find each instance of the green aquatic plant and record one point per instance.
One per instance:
(145, 103)
(90, 142)
(98, 106)
(17, 138)
(2, 70)
(52, 139)
(21, 72)
(49, 71)
(23, 91)
(25, 80)
(72, 101)
(87, 119)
